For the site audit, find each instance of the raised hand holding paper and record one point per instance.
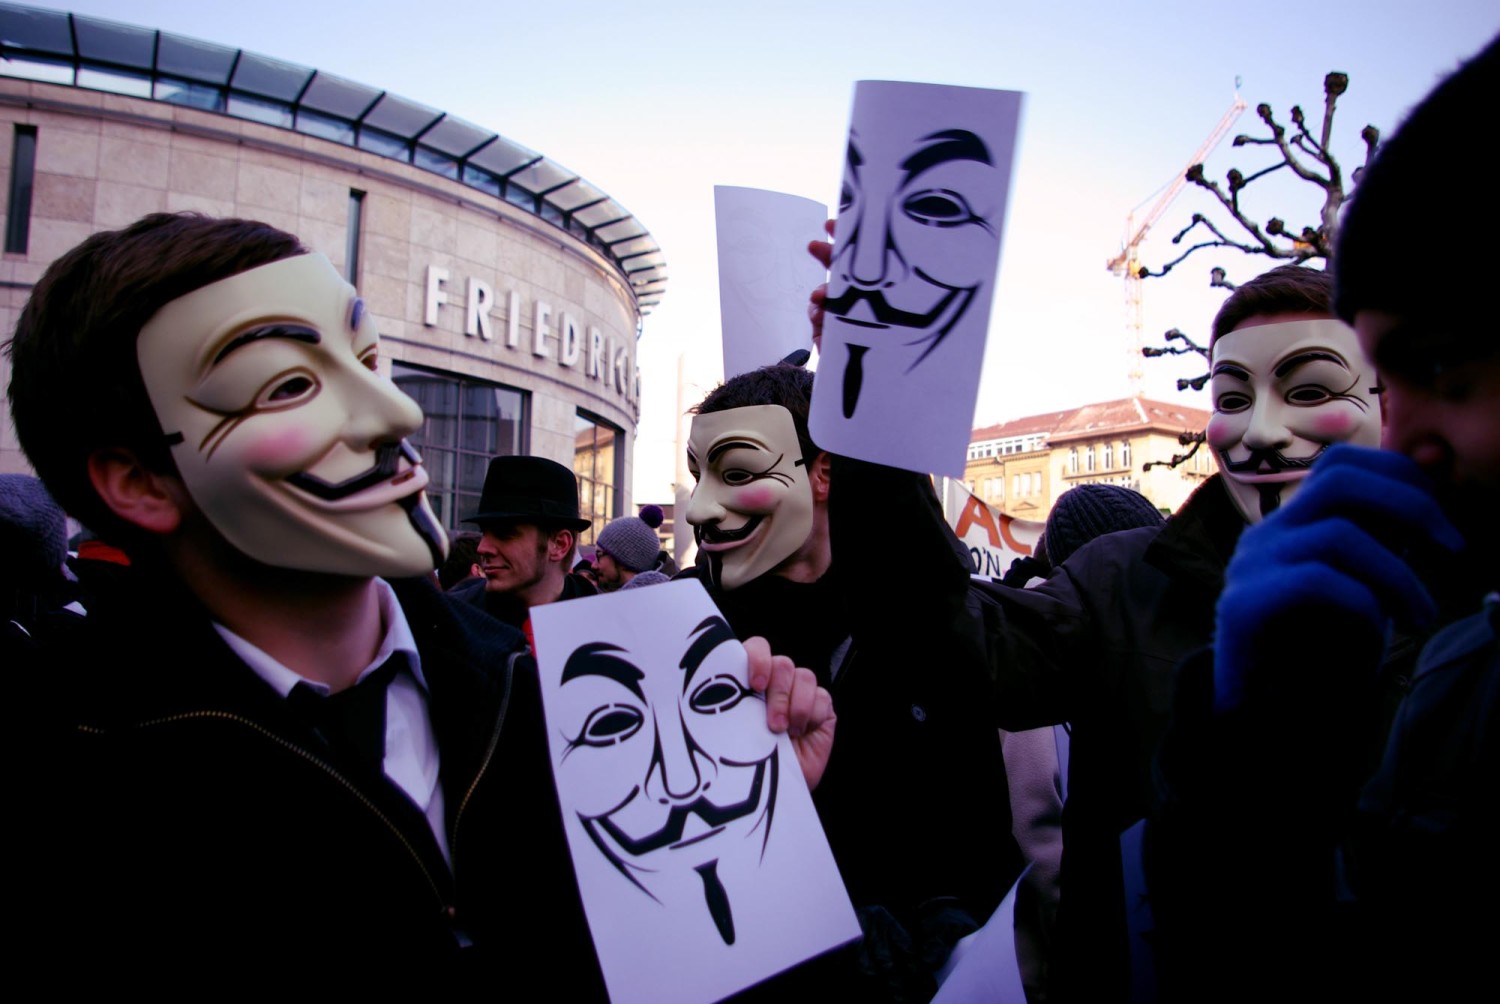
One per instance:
(922, 208)
(764, 273)
(699, 856)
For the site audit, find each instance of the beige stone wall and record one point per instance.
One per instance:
(105, 160)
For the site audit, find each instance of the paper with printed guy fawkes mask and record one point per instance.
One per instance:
(922, 208)
(284, 435)
(765, 273)
(700, 858)
(1282, 394)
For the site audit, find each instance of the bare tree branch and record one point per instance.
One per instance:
(1298, 150)
(1301, 152)
(1193, 439)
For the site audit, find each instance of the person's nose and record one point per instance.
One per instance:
(1411, 428)
(1267, 429)
(680, 770)
(873, 261)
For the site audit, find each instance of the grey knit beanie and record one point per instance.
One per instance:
(632, 540)
(1088, 511)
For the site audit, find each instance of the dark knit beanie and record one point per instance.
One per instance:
(1087, 511)
(33, 529)
(632, 540)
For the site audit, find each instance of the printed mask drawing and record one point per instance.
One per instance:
(685, 786)
(694, 839)
(926, 182)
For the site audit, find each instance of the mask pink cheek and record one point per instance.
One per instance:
(755, 499)
(1332, 426)
(1221, 435)
(286, 450)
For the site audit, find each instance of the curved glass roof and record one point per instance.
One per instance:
(59, 48)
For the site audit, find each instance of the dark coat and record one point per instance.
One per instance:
(914, 798)
(1096, 645)
(187, 822)
(1302, 862)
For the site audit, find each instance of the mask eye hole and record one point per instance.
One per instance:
(1308, 394)
(610, 725)
(371, 360)
(938, 207)
(288, 390)
(735, 477)
(1230, 403)
(717, 695)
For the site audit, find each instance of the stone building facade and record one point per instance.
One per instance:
(508, 291)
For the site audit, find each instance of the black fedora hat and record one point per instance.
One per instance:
(529, 489)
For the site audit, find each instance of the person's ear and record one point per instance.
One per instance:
(820, 472)
(559, 544)
(139, 496)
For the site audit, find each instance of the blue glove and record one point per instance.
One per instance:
(1312, 591)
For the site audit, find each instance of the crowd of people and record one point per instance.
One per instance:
(254, 723)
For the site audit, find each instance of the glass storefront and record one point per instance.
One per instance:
(600, 466)
(468, 422)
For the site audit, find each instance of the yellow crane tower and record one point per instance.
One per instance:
(1128, 263)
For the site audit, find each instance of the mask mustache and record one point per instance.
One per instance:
(886, 314)
(1274, 462)
(714, 535)
(676, 824)
(387, 465)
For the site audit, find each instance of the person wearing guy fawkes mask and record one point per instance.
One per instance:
(1095, 645)
(914, 800)
(275, 739)
(1288, 864)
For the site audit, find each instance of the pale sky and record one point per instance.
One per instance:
(657, 103)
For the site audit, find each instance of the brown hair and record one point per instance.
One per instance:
(784, 384)
(1288, 289)
(75, 383)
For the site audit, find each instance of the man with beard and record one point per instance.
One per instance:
(276, 739)
(1281, 857)
(914, 800)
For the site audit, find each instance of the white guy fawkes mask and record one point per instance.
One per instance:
(283, 434)
(752, 507)
(1282, 394)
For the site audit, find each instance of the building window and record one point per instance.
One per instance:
(1036, 482)
(351, 239)
(468, 422)
(22, 177)
(1109, 455)
(599, 462)
(1073, 460)
(1088, 459)
(1125, 453)
(1015, 486)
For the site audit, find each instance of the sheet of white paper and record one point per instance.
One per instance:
(926, 181)
(765, 273)
(699, 855)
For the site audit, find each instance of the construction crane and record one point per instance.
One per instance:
(1128, 263)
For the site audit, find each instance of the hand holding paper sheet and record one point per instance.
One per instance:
(699, 856)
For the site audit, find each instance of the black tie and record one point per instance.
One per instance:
(353, 720)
